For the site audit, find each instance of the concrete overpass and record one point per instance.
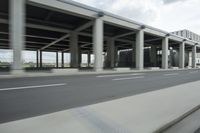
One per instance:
(71, 27)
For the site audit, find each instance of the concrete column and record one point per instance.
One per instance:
(88, 58)
(194, 50)
(133, 54)
(153, 55)
(140, 50)
(62, 60)
(79, 57)
(57, 60)
(37, 58)
(74, 49)
(182, 55)
(17, 24)
(116, 57)
(40, 58)
(165, 47)
(98, 44)
(111, 52)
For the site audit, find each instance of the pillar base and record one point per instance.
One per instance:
(18, 72)
(65, 71)
(98, 69)
(122, 69)
(139, 69)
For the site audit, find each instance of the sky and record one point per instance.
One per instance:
(168, 15)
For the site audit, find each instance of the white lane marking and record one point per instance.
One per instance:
(139, 77)
(4, 75)
(118, 75)
(194, 72)
(29, 87)
(171, 74)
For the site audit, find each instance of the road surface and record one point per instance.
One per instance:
(27, 97)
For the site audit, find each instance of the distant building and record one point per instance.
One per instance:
(191, 36)
(188, 34)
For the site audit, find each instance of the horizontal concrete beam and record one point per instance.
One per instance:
(63, 6)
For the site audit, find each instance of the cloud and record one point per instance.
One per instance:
(169, 15)
(144, 11)
(172, 1)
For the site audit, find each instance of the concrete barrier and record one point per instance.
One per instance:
(153, 68)
(64, 71)
(175, 67)
(122, 69)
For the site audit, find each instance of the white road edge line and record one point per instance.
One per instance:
(194, 72)
(4, 75)
(29, 87)
(171, 74)
(139, 77)
(118, 75)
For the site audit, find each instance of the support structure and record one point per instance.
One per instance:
(88, 58)
(194, 49)
(17, 24)
(57, 65)
(153, 55)
(133, 54)
(74, 49)
(182, 55)
(98, 44)
(79, 57)
(37, 58)
(116, 56)
(165, 47)
(111, 52)
(40, 58)
(62, 59)
(140, 50)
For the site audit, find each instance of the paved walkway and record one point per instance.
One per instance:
(144, 113)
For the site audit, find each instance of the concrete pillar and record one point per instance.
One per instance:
(57, 60)
(182, 55)
(116, 57)
(111, 52)
(98, 44)
(62, 60)
(165, 47)
(17, 29)
(40, 58)
(153, 55)
(194, 50)
(79, 57)
(74, 49)
(140, 50)
(88, 58)
(133, 54)
(37, 58)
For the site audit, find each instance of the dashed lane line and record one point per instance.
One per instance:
(30, 87)
(119, 75)
(171, 74)
(128, 78)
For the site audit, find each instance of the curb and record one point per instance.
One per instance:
(28, 75)
(177, 120)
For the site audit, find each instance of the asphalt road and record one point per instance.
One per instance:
(27, 97)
